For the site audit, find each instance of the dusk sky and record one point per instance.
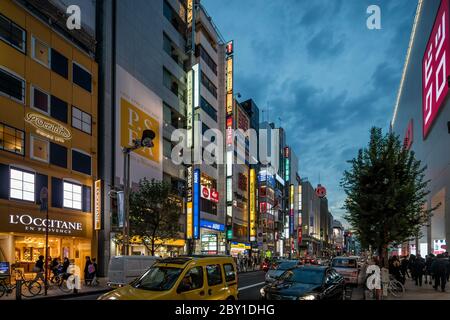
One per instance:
(315, 68)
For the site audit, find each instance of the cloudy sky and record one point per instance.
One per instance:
(319, 72)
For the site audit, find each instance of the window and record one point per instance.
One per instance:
(192, 280)
(172, 50)
(39, 149)
(81, 162)
(40, 52)
(12, 139)
(12, 34)
(12, 86)
(209, 109)
(230, 274)
(201, 52)
(40, 100)
(59, 64)
(21, 185)
(58, 109)
(174, 18)
(81, 120)
(209, 85)
(72, 195)
(58, 155)
(214, 274)
(208, 206)
(81, 77)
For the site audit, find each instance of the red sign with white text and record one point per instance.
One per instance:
(210, 194)
(436, 68)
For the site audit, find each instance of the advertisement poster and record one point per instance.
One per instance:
(138, 109)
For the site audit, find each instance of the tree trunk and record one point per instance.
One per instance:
(153, 247)
(384, 256)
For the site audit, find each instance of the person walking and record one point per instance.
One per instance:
(95, 272)
(39, 269)
(428, 274)
(404, 268)
(439, 269)
(412, 259)
(419, 269)
(87, 274)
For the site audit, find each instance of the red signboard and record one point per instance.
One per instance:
(436, 68)
(210, 194)
(229, 48)
(409, 136)
(299, 236)
(321, 192)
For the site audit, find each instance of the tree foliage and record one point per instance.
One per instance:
(154, 214)
(386, 193)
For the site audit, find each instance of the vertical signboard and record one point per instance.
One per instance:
(190, 107)
(138, 109)
(252, 205)
(287, 172)
(291, 210)
(196, 204)
(189, 212)
(436, 68)
(97, 205)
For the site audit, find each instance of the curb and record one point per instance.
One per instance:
(69, 295)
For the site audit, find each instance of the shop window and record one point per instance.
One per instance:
(86, 199)
(58, 109)
(40, 100)
(12, 139)
(214, 274)
(21, 185)
(40, 52)
(230, 273)
(81, 120)
(192, 280)
(59, 64)
(81, 162)
(58, 155)
(72, 195)
(39, 149)
(81, 77)
(12, 86)
(12, 34)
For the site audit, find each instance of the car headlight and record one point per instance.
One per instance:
(308, 297)
(262, 292)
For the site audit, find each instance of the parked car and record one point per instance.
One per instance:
(306, 283)
(124, 269)
(183, 278)
(348, 267)
(277, 270)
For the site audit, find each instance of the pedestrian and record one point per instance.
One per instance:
(428, 274)
(439, 269)
(394, 268)
(39, 269)
(95, 272)
(412, 259)
(87, 274)
(448, 266)
(404, 268)
(419, 269)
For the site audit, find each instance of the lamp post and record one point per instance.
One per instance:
(43, 197)
(145, 142)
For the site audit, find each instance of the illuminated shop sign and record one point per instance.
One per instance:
(197, 79)
(252, 205)
(436, 68)
(189, 220)
(229, 48)
(210, 194)
(189, 184)
(229, 86)
(212, 225)
(229, 163)
(240, 245)
(300, 198)
(190, 108)
(196, 203)
(229, 131)
(229, 189)
(97, 205)
(48, 128)
(291, 211)
(288, 170)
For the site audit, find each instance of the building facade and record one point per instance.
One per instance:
(422, 113)
(48, 135)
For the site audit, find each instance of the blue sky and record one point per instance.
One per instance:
(318, 72)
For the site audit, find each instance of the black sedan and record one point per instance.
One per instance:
(306, 283)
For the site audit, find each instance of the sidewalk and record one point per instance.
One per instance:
(425, 292)
(55, 292)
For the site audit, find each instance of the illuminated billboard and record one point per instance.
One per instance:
(196, 218)
(252, 205)
(137, 109)
(436, 68)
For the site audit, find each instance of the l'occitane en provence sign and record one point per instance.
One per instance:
(48, 128)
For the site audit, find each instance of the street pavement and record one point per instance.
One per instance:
(249, 284)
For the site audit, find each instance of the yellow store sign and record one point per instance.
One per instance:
(133, 122)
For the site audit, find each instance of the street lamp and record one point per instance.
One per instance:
(146, 141)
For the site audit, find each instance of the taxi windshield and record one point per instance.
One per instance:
(157, 279)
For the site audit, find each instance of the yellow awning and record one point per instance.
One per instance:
(169, 242)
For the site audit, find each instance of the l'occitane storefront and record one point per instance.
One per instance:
(22, 236)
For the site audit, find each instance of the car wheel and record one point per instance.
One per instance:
(230, 298)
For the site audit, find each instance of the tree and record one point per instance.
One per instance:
(154, 214)
(386, 194)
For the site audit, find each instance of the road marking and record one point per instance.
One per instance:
(251, 286)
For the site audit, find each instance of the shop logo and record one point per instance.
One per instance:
(48, 128)
(40, 224)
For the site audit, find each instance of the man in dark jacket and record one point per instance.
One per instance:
(419, 269)
(428, 262)
(439, 269)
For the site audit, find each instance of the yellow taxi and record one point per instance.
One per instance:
(183, 278)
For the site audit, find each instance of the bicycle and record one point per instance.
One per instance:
(395, 287)
(29, 288)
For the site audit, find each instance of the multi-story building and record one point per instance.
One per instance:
(311, 243)
(48, 133)
(421, 116)
(338, 237)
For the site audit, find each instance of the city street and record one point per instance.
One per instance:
(249, 285)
